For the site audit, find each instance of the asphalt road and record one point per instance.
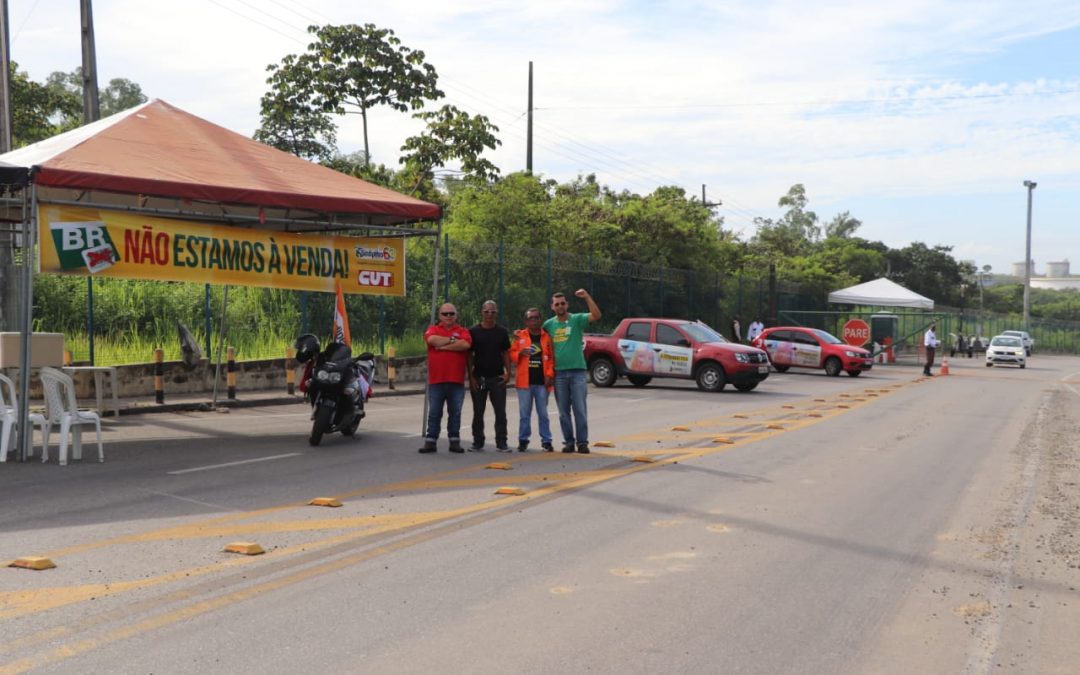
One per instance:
(881, 524)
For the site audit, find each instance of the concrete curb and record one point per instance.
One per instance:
(205, 406)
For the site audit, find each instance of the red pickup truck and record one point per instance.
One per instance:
(641, 349)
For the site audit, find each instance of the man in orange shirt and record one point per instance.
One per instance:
(533, 352)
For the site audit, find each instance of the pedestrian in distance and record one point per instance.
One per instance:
(447, 346)
(533, 355)
(489, 373)
(567, 333)
(754, 330)
(736, 329)
(930, 342)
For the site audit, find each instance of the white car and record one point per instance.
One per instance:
(1029, 342)
(1006, 349)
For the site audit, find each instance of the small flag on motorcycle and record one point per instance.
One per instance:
(341, 321)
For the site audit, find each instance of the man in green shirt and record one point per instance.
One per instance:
(567, 333)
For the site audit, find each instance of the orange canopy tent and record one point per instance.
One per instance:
(158, 152)
(158, 159)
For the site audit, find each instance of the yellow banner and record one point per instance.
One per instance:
(78, 240)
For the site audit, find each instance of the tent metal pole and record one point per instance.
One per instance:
(221, 343)
(26, 436)
(431, 320)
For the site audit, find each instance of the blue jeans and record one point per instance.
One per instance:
(538, 394)
(452, 394)
(571, 388)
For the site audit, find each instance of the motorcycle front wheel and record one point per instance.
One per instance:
(351, 429)
(323, 418)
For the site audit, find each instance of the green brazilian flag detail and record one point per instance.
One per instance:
(84, 245)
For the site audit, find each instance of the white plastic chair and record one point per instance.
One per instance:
(9, 417)
(62, 409)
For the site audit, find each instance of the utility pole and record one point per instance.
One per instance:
(528, 132)
(9, 284)
(5, 80)
(91, 109)
(91, 112)
(1030, 185)
(705, 203)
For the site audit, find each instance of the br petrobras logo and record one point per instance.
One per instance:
(386, 254)
(83, 245)
(377, 278)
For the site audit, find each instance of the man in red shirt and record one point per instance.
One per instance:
(448, 346)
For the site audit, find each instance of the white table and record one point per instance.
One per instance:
(99, 380)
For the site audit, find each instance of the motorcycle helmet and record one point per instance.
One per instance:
(307, 346)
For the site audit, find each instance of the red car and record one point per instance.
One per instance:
(795, 346)
(641, 349)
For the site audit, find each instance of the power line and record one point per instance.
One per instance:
(255, 21)
(822, 102)
(23, 22)
(318, 18)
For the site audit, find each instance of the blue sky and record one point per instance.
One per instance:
(922, 120)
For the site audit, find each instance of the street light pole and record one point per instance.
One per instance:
(1030, 185)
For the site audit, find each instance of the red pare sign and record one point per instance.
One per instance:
(856, 332)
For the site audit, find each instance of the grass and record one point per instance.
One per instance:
(134, 347)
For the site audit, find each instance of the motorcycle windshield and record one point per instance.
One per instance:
(337, 352)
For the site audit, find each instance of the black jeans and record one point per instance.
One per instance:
(490, 387)
(929, 359)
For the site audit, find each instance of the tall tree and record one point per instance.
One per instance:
(451, 134)
(351, 69)
(842, 226)
(120, 95)
(668, 228)
(793, 233)
(40, 110)
(513, 209)
(930, 271)
(297, 129)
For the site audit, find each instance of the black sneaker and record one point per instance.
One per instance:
(523, 446)
(583, 448)
(548, 447)
(502, 448)
(477, 446)
(428, 447)
(568, 448)
(456, 447)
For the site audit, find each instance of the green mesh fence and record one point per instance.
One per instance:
(132, 318)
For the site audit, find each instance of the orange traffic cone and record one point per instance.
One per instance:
(944, 370)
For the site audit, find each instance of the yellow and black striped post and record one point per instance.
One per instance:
(290, 370)
(230, 377)
(159, 375)
(391, 366)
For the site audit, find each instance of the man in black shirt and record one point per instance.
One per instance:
(489, 373)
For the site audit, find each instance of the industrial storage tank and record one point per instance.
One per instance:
(1057, 269)
(1018, 269)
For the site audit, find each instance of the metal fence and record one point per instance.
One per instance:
(127, 319)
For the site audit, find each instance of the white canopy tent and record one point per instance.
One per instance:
(881, 292)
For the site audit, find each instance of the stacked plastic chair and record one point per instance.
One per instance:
(62, 409)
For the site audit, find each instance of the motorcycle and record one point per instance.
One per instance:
(335, 384)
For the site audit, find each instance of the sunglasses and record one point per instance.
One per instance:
(448, 313)
(531, 318)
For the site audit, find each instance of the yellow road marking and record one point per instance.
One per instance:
(31, 601)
